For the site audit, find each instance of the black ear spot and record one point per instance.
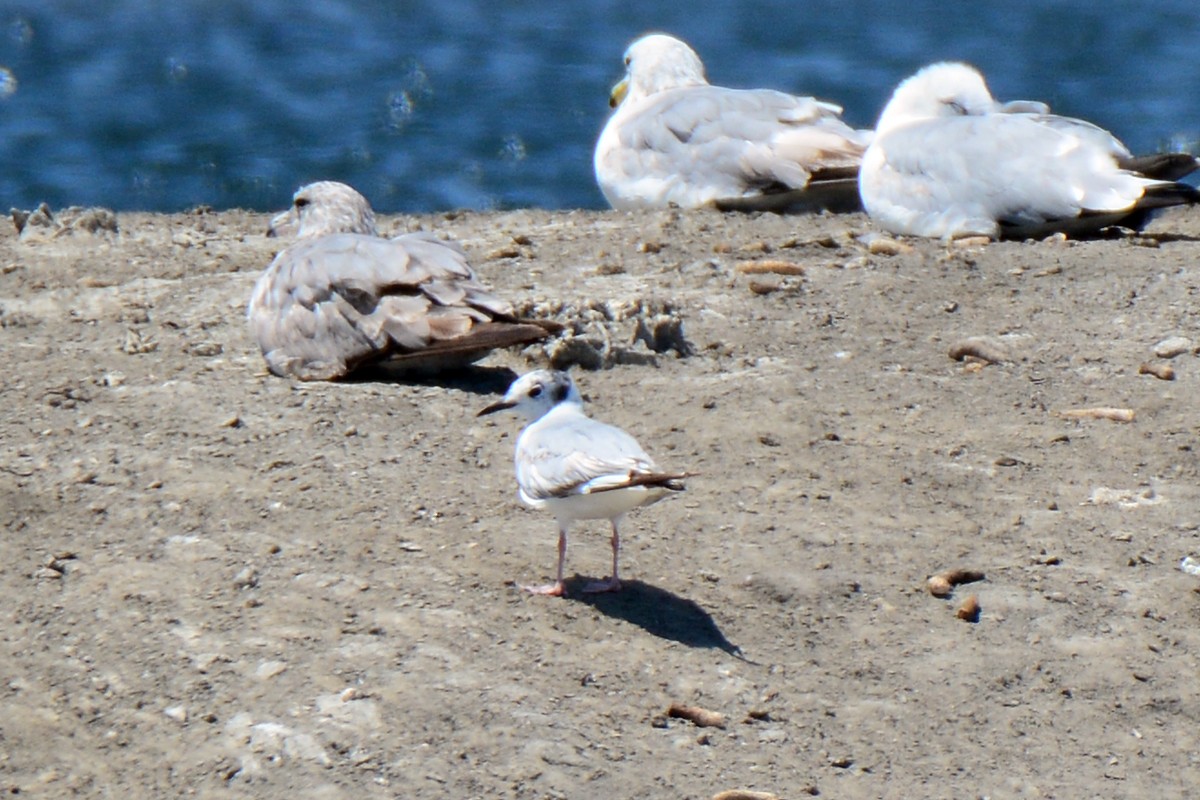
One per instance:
(560, 392)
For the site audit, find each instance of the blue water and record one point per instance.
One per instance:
(424, 106)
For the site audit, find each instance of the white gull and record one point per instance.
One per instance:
(578, 468)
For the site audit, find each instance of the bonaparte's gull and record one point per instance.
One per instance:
(949, 161)
(342, 296)
(675, 139)
(576, 467)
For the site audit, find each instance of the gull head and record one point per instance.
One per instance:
(946, 89)
(655, 63)
(325, 207)
(533, 394)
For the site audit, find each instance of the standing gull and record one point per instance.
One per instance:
(576, 467)
(675, 139)
(342, 297)
(949, 161)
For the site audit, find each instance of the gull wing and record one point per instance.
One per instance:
(701, 145)
(560, 456)
(975, 174)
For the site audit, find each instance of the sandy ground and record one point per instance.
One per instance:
(224, 583)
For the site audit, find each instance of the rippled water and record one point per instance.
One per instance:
(144, 104)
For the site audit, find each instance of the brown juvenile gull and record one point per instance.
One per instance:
(675, 139)
(342, 297)
(578, 468)
(949, 161)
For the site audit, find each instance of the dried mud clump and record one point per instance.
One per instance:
(42, 223)
(599, 334)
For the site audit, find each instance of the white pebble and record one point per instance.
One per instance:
(1174, 346)
(269, 669)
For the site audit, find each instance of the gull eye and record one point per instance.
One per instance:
(300, 202)
(955, 106)
(627, 60)
(535, 391)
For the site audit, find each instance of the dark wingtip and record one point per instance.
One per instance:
(1162, 166)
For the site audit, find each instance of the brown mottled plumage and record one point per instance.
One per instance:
(342, 297)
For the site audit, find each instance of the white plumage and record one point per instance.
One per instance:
(949, 161)
(674, 139)
(575, 467)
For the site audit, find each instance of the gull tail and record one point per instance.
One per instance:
(663, 480)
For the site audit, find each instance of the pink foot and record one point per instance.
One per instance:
(550, 589)
(607, 585)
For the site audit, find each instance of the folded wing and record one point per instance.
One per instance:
(705, 145)
(580, 457)
(328, 305)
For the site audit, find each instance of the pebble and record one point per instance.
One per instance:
(884, 246)
(246, 579)
(206, 349)
(177, 713)
(1173, 346)
(270, 669)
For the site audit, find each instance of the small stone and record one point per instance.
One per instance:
(883, 246)
(206, 349)
(1164, 372)
(939, 586)
(270, 669)
(1173, 346)
(137, 343)
(177, 713)
(246, 579)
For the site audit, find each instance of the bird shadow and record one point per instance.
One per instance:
(656, 611)
(469, 379)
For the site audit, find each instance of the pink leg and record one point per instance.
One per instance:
(554, 589)
(613, 584)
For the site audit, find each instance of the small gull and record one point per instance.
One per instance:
(576, 467)
(675, 139)
(342, 297)
(949, 161)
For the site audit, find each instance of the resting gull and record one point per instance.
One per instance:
(949, 161)
(342, 297)
(576, 467)
(676, 140)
